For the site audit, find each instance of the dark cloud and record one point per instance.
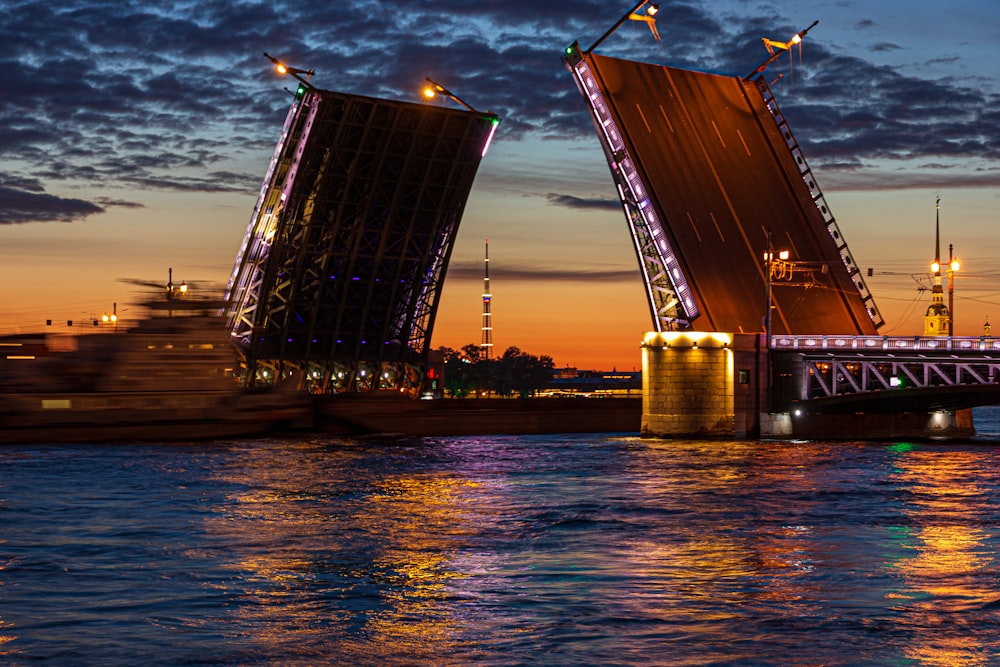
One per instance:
(107, 202)
(569, 201)
(171, 96)
(882, 47)
(474, 271)
(20, 206)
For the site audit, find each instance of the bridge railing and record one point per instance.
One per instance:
(885, 343)
(824, 367)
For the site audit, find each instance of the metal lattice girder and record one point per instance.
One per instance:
(670, 300)
(350, 240)
(835, 376)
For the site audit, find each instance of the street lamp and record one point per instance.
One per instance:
(175, 291)
(112, 318)
(633, 15)
(282, 68)
(433, 88)
(953, 266)
(775, 49)
(769, 270)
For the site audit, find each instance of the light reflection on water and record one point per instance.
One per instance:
(578, 549)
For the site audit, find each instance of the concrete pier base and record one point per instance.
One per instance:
(687, 385)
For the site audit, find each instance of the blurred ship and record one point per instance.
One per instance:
(169, 378)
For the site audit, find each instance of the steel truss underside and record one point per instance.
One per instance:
(340, 274)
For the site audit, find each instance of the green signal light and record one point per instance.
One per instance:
(301, 90)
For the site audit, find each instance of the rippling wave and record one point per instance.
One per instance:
(505, 550)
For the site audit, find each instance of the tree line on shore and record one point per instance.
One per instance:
(467, 372)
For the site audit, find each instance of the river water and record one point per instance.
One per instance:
(502, 550)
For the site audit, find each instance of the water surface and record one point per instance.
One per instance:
(502, 550)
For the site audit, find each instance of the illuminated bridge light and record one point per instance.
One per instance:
(494, 123)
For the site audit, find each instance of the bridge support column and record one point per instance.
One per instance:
(687, 385)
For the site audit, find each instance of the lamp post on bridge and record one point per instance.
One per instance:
(953, 266)
(112, 319)
(769, 270)
(433, 88)
(303, 76)
(633, 14)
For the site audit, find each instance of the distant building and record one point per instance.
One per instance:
(590, 383)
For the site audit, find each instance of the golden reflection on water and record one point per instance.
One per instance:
(943, 575)
(5, 638)
(735, 565)
(418, 521)
(368, 583)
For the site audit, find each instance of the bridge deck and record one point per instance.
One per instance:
(721, 175)
(885, 374)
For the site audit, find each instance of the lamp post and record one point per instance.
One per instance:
(112, 319)
(775, 49)
(633, 14)
(433, 88)
(953, 266)
(282, 68)
(769, 270)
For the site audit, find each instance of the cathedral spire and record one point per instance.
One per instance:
(937, 238)
(937, 319)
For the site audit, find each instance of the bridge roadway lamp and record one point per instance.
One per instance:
(633, 14)
(769, 262)
(112, 318)
(282, 68)
(775, 49)
(953, 267)
(433, 89)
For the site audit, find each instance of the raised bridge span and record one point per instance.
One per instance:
(711, 178)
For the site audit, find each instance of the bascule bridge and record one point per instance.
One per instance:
(748, 340)
(337, 281)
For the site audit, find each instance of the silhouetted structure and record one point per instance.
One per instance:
(340, 271)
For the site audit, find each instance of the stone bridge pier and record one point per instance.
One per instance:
(714, 385)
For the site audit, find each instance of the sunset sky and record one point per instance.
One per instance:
(135, 135)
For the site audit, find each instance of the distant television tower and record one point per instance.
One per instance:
(486, 347)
